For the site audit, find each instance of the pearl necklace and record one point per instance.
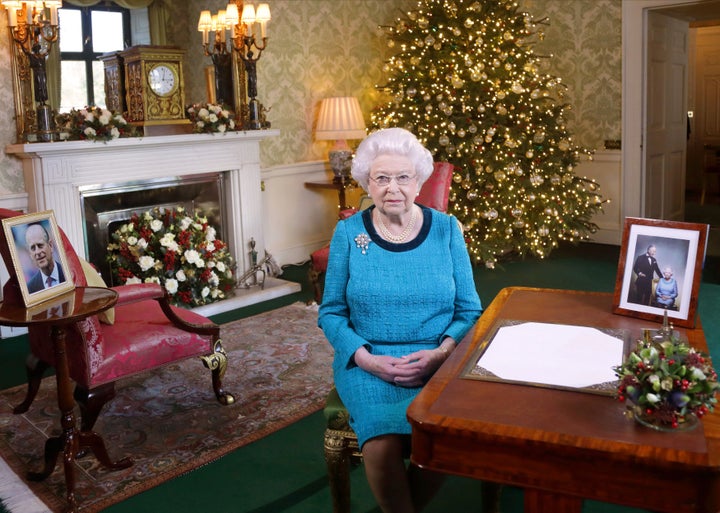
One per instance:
(403, 235)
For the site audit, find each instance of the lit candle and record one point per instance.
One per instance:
(204, 24)
(262, 15)
(12, 16)
(53, 16)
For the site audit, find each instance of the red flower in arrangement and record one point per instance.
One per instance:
(178, 250)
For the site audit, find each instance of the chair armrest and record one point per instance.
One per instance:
(138, 292)
(208, 327)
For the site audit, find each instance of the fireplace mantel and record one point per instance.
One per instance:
(54, 173)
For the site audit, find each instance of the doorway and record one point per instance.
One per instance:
(639, 199)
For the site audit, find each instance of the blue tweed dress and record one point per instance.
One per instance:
(393, 299)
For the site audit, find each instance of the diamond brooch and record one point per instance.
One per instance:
(362, 241)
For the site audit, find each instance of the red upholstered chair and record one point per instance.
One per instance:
(434, 194)
(147, 333)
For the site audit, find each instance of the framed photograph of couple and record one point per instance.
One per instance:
(38, 258)
(659, 270)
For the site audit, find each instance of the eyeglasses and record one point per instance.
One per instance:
(384, 181)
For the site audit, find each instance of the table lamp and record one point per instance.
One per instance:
(340, 119)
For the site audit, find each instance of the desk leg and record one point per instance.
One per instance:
(71, 439)
(538, 501)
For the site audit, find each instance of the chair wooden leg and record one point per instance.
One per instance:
(217, 363)
(337, 459)
(34, 368)
(314, 277)
(91, 402)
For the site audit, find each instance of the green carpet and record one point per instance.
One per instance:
(285, 471)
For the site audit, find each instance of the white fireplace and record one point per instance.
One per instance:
(55, 173)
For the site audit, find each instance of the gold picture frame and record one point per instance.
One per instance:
(37, 253)
(650, 247)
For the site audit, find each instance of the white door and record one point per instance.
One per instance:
(666, 117)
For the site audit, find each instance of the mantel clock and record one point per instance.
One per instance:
(154, 85)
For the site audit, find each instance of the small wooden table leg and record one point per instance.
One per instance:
(71, 440)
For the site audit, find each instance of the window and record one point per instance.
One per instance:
(85, 34)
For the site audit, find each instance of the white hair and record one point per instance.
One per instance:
(391, 141)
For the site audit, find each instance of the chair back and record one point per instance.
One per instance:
(435, 192)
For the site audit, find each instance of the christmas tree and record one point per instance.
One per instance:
(466, 81)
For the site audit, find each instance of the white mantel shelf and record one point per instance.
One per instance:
(54, 173)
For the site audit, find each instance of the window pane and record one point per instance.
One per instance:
(99, 83)
(107, 31)
(73, 92)
(71, 39)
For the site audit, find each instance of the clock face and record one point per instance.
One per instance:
(162, 80)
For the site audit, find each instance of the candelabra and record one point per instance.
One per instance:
(219, 54)
(246, 45)
(34, 29)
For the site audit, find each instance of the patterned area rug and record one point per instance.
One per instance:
(169, 422)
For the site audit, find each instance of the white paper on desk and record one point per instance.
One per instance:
(553, 354)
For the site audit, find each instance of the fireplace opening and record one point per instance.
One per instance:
(108, 206)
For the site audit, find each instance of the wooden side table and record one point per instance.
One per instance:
(58, 314)
(340, 186)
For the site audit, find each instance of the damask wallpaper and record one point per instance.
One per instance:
(320, 48)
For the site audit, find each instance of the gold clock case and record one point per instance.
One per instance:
(144, 107)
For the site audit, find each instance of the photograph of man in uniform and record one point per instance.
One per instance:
(47, 271)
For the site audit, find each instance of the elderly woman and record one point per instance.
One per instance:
(666, 289)
(399, 295)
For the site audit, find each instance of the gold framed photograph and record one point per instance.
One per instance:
(659, 270)
(38, 257)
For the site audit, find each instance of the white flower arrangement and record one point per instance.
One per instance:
(210, 118)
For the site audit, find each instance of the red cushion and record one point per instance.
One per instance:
(143, 338)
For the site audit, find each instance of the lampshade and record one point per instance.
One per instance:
(248, 14)
(205, 21)
(231, 15)
(340, 118)
(263, 13)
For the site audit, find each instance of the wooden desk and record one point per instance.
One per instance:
(561, 446)
(59, 313)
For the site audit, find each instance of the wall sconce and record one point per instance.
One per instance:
(34, 28)
(339, 119)
(246, 44)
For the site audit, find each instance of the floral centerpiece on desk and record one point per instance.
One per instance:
(177, 250)
(670, 384)
(94, 124)
(209, 118)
